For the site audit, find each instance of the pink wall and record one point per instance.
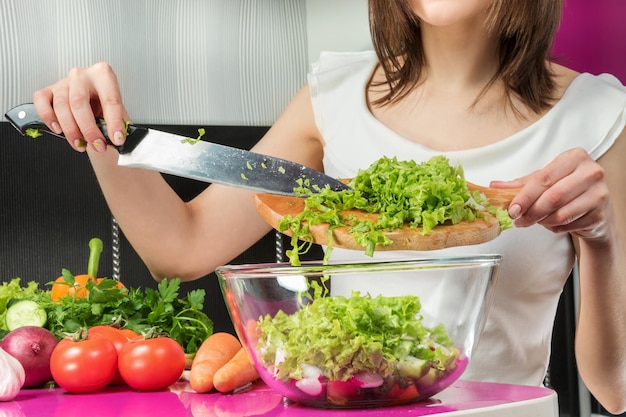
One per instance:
(592, 37)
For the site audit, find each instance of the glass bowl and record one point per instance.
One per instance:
(355, 335)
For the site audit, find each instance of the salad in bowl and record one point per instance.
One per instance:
(319, 335)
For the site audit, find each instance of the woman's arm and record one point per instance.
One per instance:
(174, 238)
(587, 199)
(601, 332)
(191, 239)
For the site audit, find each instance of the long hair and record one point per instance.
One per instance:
(525, 30)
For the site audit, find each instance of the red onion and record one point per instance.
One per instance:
(310, 386)
(32, 346)
(368, 380)
(311, 380)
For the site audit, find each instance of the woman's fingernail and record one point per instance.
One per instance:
(514, 211)
(80, 144)
(118, 138)
(98, 145)
(56, 128)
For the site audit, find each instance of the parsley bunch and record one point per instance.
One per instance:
(161, 310)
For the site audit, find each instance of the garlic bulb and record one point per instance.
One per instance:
(12, 376)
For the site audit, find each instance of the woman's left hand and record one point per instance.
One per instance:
(568, 195)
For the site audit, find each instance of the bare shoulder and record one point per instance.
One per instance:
(294, 135)
(563, 77)
(613, 159)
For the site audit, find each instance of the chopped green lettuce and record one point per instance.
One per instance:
(344, 336)
(422, 195)
(33, 133)
(191, 141)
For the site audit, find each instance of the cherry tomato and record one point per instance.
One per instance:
(151, 364)
(116, 336)
(130, 334)
(83, 366)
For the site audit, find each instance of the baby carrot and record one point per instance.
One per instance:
(214, 352)
(236, 373)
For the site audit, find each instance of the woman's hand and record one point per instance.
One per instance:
(568, 195)
(71, 105)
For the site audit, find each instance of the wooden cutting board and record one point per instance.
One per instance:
(274, 207)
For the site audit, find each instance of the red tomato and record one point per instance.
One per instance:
(83, 366)
(151, 364)
(130, 334)
(403, 395)
(116, 336)
(342, 392)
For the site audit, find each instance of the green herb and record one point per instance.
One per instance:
(33, 133)
(399, 192)
(344, 336)
(243, 177)
(191, 141)
(161, 310)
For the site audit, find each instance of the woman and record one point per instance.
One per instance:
(469, 79)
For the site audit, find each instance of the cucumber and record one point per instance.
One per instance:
(25, 313)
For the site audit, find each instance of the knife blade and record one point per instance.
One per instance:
(196, 159)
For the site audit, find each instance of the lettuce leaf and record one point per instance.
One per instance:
(344, 336)
(422, 195)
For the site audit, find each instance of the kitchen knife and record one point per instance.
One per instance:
(197, 159)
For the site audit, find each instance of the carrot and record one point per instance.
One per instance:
(214, 353)
(236, 373)
(252, 333)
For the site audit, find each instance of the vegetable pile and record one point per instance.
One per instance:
(350, 349)
(87, 333)
(104, 302)
(75, 302)
(149, 333)
(422, 195)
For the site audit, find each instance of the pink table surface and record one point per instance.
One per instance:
(462, 398)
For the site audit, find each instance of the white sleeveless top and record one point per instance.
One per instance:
(515, 345)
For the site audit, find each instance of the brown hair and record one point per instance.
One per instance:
(525, 30)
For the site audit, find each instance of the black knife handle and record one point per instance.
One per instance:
(25, 117)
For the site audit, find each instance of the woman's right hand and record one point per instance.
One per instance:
(71, 105)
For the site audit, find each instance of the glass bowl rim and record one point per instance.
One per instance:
(262, 270)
